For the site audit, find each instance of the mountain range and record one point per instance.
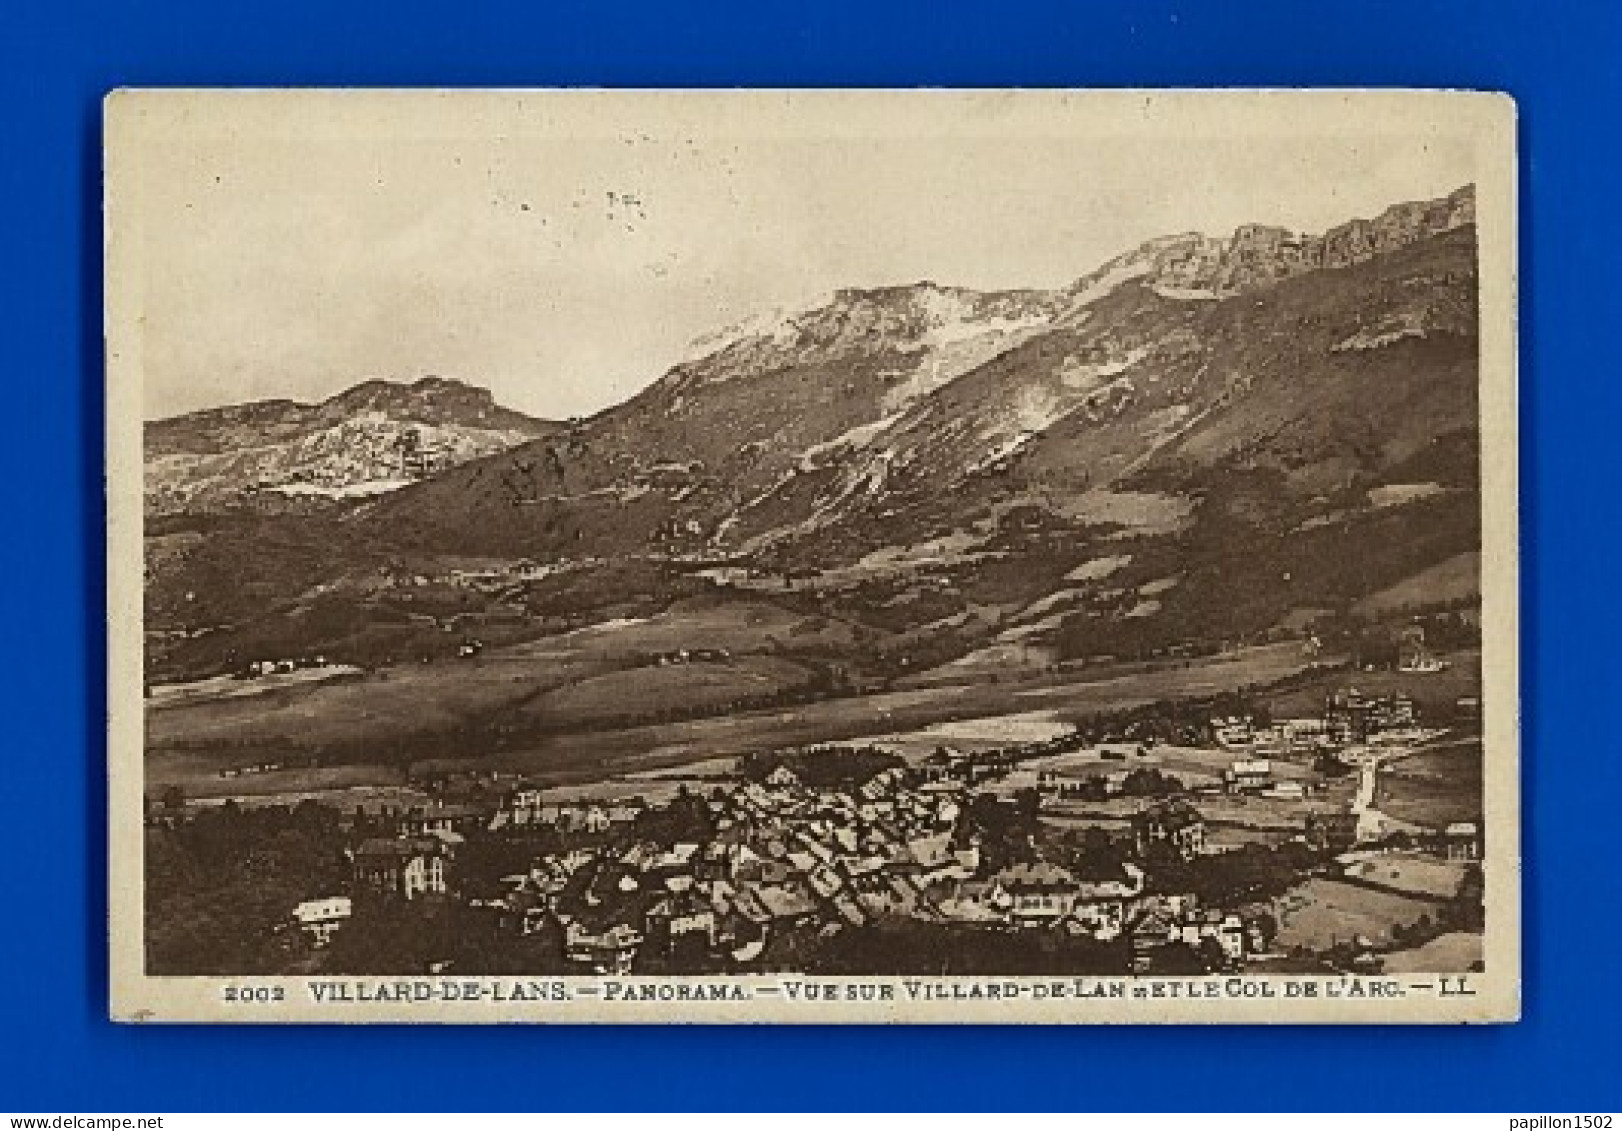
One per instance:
(1203, 437)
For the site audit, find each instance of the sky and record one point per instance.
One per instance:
(565, 260)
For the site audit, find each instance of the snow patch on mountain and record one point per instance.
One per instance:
(1099, 568)
(1404, 324)
(775, 325)
(860, 436)
(1104, 282)
(1088, 375)
(939, 333)
(344, 491)
(1186, 294)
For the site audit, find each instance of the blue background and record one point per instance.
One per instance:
(57, 59)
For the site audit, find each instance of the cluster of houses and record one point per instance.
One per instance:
(256, 668)
(689, 656)
(786, 863)
(785, 860)
(1257, 776)
(1349, 716)
(1172, 919)
(1414, 657)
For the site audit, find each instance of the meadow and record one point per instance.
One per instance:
(616, 698)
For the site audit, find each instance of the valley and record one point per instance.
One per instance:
(587, 707)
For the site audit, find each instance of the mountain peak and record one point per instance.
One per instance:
(372, 436)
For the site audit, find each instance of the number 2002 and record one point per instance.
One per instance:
(254, 995)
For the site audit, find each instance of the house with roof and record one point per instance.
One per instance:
(575, 817)
(609, 949)
(1155, 923)
(1038, 894)
(639, 856)
(884, 783)
(622, 812)
(1231, 731)
(1101, 901)
(939, 767)
(824, 881)
(523, 805)
(1248, 775)
(926, 851)
(800, 860)
(1224, 928)
(785, 905)
(1303, 732)
(718, 858)
(971, 901)
(888, 895)
(743, 936)
(439, 820)
(408, 867)
(872, 810)
(523, 912)
(783, 779)
(525, 795)
(1176, 824)
(759, 914)
(682, 917)
(848, 909)
(1462, 841)
(320, 919)
(676, 867)
(1155, 927)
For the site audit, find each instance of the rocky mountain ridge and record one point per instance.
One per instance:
(1193, 265)
(374, 437)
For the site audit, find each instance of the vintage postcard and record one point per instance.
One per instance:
(812, 556)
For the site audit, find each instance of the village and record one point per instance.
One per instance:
(1148, 846)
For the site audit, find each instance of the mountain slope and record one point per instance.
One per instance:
(376, 436)
(894, 412)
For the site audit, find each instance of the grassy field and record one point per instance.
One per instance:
(216, 688)
(1195, 767)
(1455, 578)
(987, 733)
(1234, 836)
(1266, 813)
(1410, 874)
(1079, 694)
(455, 708)
(1321, 913)
(740, 626)
(1454, 953)
(446, 714)
(650, 691)
(1434, 693)
(1197, 763)
(381, 710)
(1435, 788)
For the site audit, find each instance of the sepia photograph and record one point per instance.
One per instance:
(812, 556)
